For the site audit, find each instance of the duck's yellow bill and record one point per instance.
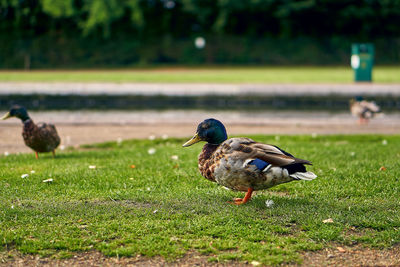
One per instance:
(6, 116)
(195, 139)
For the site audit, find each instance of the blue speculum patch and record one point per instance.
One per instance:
(260, 164)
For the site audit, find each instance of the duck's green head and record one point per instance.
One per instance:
(18, 112)
(211, 130)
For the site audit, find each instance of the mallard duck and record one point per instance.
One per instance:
(242, 164)
(41, 138)
(364, 110)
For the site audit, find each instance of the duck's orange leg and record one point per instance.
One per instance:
(36, 155)
(54, 153)
(247, 197)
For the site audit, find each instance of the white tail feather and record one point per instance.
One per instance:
(307, 176)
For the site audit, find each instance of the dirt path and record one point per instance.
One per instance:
(76, 128)
(335, 256)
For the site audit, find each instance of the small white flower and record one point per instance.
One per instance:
(269, 203)
(12, 206)
(174, 157)
(47, 180)
(131, 178)
(255, 263)
(119, 140)
(6, 153)
(32, 171)
(164, 136)
(152, 137)
(330, 220)
(352, 153)
(174, 238)
(62, 147)
(148, 188)
(384, 142)
(92, 167)
(277, 138)
(314, 135)
(151, 151)
(24, 175)
(155, 211)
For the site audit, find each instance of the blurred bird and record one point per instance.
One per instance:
(242, 164)
(41, 138)
(364, 110)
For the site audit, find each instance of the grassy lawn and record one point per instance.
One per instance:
(164, 207)
(206, 75)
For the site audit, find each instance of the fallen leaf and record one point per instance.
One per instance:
(255, 263)
(176, 166)
(328, 220)
(92, 167)
(47, 180)
(383, 168)
(340, 249)
(133, 166)
(174, 157)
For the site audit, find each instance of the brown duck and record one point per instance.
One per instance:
(364, 110)
(242, 164)
(40, 137)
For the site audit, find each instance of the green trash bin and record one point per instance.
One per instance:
(362, 61)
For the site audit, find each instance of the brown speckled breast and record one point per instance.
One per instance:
(206, 161)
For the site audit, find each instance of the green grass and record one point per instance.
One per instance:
(206, 75)
(164, 207)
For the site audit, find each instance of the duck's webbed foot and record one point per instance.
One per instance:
(247, 197)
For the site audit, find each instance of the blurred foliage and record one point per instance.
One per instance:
(156, 25)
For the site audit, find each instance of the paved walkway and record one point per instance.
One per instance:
(181, 89)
